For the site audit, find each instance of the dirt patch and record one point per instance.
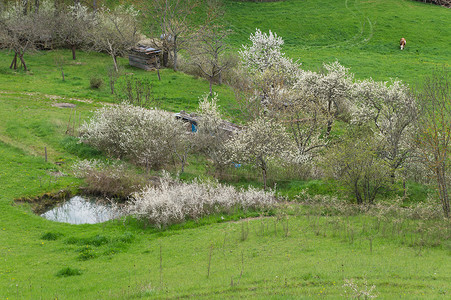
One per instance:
(64, 105)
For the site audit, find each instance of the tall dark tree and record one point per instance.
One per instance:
(434, 132)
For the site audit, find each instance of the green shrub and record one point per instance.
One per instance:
(86, 253)
(96, 82)
(68, 271)
(50, 236)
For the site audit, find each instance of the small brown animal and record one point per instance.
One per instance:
(402, 43)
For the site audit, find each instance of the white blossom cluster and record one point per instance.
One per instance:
(145, 136)
(332, 87)
(81, 167)
(261, 140)
(211, 117)
(392, 109)
(174, 201)
(79, 12)
(265, 54)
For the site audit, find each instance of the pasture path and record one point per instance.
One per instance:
(363, 35)
(365, 32)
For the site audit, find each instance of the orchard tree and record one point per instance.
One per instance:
(304, 119)
(208, 52)
(210, 136)
(434, 132)
(261, 141)
(265, 53)
(269, 71)
(21, 30)
(72, 27)
(147, 137)
(174, 24)
(355, 164)
(392, 110)
(115, 31)
(332, 87)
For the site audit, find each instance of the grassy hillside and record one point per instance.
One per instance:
(298, 253)
(362, 35)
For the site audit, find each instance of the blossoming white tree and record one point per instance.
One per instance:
(262, 140)
(210, 136)
(332, 87)
(392, 110)
(146, 137)
(270, 72)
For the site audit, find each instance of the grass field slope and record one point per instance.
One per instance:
(298, 252)
(362, 35)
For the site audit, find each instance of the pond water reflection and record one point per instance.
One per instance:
(80, 210)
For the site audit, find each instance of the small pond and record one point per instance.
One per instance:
(81, 210)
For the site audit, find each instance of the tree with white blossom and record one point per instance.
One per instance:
(261, 141)
(210, 136)
(269, 70)
(147, 137)
(392, 110)
(72, 27)
(332, 87)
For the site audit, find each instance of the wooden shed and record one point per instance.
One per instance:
(144, 57)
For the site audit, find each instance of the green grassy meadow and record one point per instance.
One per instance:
(293, 254)
(361, 35)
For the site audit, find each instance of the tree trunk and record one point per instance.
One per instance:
(443, 191)
(175, 59)
(36, 6)
(329, 127)
(112, 86)
(73, 52)
(264, 171)
(115, 62)
(14, 62)
(165, 58)
(23, 62)
(211, 86)
(94, 5)
(358, 197)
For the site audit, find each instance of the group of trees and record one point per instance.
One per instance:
(364, 134)
(52, 24)
(29, 25)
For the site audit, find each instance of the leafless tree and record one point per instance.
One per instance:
(115, 31)
(172, 17)
(434, 133)
(302, 116)
(19, 32)
(208, 52)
